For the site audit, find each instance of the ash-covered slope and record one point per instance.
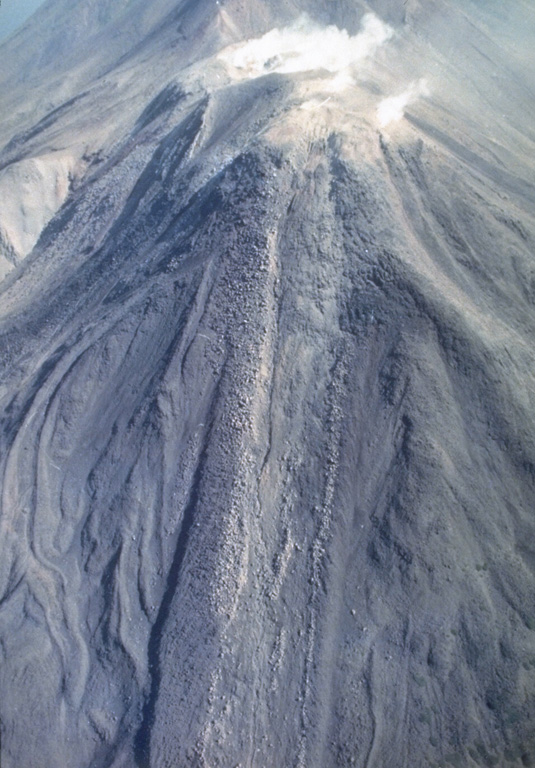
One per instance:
(267, 385)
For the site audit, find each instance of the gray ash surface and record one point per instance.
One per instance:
(267, 385)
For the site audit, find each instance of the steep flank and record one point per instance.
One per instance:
(267, 433)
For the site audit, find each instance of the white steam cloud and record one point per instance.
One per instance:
(305, 46)
(392, 109)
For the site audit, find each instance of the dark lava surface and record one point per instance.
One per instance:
(267, 387)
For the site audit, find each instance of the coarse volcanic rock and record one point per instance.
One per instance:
(267, 438)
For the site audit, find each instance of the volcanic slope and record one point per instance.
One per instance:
(267, 442)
